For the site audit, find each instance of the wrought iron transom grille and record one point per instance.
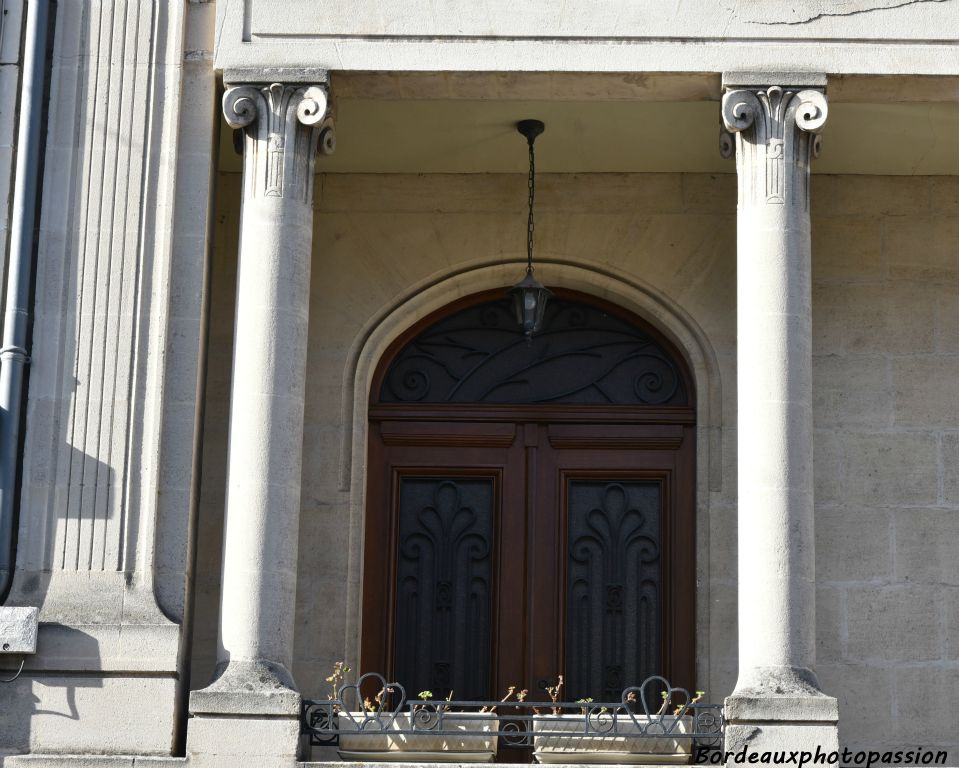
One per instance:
(582, 355)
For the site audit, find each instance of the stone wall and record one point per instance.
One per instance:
(886, 407)
(886, 320)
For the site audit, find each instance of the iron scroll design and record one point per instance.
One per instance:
(443, 576)
(614, 584)
(670, 718)
(583, 355)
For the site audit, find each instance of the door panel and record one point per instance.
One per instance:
(613, 585)
(444, 584)
(446, 517)
(593, 457)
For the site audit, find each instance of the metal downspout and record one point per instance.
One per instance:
(14, 355)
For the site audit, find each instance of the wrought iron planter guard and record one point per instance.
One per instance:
(553, 728)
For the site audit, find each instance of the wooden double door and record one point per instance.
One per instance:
(530, 504)
(509, 552)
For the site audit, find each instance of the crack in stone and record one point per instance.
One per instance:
(812, 13)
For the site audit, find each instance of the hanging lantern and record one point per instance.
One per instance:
(529, 295)
(529, 302)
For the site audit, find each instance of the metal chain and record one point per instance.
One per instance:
(532, 193)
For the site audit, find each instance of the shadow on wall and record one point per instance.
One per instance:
(50, 697)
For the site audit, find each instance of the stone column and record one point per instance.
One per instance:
(282, 126)
(777, 702)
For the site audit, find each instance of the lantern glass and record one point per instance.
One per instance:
(529, 302)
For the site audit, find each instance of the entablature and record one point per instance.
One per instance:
(884, 37)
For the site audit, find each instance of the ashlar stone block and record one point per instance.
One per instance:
(851, 390)
(868, 195)
(865, 696)
(827, 462)
(852, 543)
(923, 247)
(950, 469)
(73, 714)
(847, 248)
(93, 761)
(950, 597)
(926, 546)
(780, 737)
(890, 468)
(895, 623)
(829, 607)
(894, 317)
(944, 194)
(229, 741)
(927, 701)
(925, 391)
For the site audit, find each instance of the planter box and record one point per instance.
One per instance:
(555, 740)
(400, 742)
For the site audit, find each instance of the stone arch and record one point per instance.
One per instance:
(434, 293)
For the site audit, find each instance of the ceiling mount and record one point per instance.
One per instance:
(531, 129)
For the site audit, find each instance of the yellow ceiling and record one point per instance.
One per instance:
(409, 135)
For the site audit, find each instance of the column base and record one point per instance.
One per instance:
(779, 709)
(248, 715)
(247, 688)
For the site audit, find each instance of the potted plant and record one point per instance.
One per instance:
(614, 733)
(383, 730)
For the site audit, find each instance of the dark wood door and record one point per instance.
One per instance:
(611, 570)
(445, 530)
(530, 509)
(505, 554)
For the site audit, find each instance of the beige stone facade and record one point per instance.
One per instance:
(156, 648)
(395, 246)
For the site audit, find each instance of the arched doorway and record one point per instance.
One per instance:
(530, 506)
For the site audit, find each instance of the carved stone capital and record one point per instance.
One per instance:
(283, 126)
(775, 131)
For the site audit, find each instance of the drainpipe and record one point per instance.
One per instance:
(14, 354)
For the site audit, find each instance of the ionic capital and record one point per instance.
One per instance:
(283, 126)
(776, 136)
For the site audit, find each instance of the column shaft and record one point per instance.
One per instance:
(774, 358)
(266, 434)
